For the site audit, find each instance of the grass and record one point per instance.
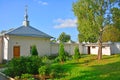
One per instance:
(89, 68)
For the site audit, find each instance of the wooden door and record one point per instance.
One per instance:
(88, 49)
(16, 51)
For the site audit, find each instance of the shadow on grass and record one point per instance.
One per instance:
(101, 72)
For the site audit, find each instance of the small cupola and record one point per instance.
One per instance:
(26, 22)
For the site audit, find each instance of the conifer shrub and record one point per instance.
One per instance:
(34, 51)
(62, 54)
(76, 53)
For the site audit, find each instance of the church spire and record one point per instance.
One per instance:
(26, 22)
(26, 14)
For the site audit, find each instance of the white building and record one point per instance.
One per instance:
(17, 42)
(108, 48)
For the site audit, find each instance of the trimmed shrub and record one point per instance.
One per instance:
(62, 55)
(76, 53)
(22, 65)
(34, 50)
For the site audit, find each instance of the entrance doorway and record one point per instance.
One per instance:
(16, 51)
(88, 49)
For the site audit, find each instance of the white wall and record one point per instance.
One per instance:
(54, 48)
(84, 49)
(42, 44)
(69, 47)
(105, 50)
(93, 50)
(115, 48)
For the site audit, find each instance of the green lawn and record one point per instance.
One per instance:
(89, 68)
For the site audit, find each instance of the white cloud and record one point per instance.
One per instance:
(65, 23)
(42, 3)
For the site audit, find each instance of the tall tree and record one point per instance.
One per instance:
(64, 37)
(91, 16)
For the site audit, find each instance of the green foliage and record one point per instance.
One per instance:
(64, 37)
(27, 76)
(22, 65)
(43, 70)
(51, 70)
(33, 63)
(116, 17)
(76, 53)
(56, 60)
(111, 34)
(62, 55)
(91, 16)
(45, 59)
(56, 71)
(34, 50)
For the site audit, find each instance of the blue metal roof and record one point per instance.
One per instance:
(28, 31)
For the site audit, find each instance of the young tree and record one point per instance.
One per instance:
(34, 51)
(76, 53)
(62, 55)
(91, 16)
(64, 37)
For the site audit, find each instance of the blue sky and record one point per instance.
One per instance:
(50, 16)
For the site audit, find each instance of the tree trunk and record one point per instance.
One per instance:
(99, 50)
(100, 45)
